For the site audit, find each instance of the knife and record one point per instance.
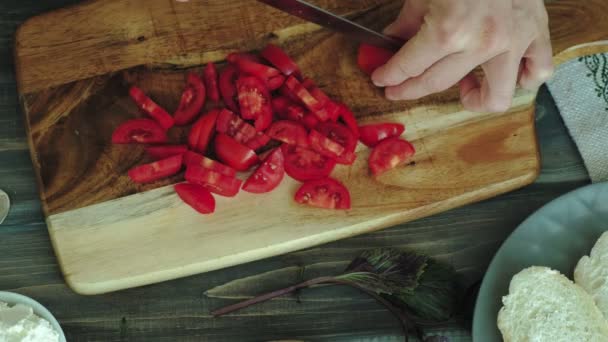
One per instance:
(319, 16)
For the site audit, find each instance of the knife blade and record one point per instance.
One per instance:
(319, 16)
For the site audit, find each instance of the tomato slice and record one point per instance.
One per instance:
(371, 135)
(202, 131)
(192, 101)
(193, 158)
(288, 132)
(235, 127)
(388, 154)
(151, 108)
(330, 109)
(296, 113)
(211, 82)
(233, 153)
(280, 60)
(303, 164)
(325, 193)
(214, 181)
(303, 94)
(254, 99)
(166, 151)
(310, 120)
(268, 175)
(349, 119)
(324, 145)
(285, 92)
(275, 82)
(258, 70)
(343, 136)
(196, 196)
(279, 106)
(372, 57)
(142, 131)
(157, 170)
(228, 88)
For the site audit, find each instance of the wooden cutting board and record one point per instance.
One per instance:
(74, 67)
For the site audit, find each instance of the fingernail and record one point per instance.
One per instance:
(378, 82)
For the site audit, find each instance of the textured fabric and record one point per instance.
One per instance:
(580, 90)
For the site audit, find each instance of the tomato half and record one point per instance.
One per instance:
(193, 158)
(151, 108)
(202, 131)
(166, 151)
(228, 88)
(157, 170)
(325, 193)
(280, 60)
(372, 57)
(343, 136)
(192, 101)
(142, 131)
(254, 101)
(288, 132)
(233, 153)
(303, 164)
(235, 127)
(268, 175)
(196, 196)
(349, 119)
(303, 94)
(324, 145)
(371, 135)
(388, 154)
(211, 82)
(214, 181)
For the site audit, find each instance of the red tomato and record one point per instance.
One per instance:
(308, 84)
(276, 82)
(279, 106)
(388, 154)
(296, 113)
(343, 136)
(151, 108)
(288, 132)
(214, 181)
(192, 101)
(372, 57)
(349, 119)
(280, 60)
(166, 151)
(196, 196)
(285, 92)
(228, 87)
(235, 127)
(234, 56)
(268, 175)
(333, 110)
(254, 99)
(211, 80)
(260, 71)
(234, 154)
(303, 164)
(324, 145)
(142, 131)
(202, 131)
(330, 109)
(325, 193)
(303, 95)
(193, 158)
(310, 121)
(371, 135)
(157, 170)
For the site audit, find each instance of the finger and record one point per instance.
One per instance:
(409, 21)
(537, 64)
(495, 94)
(439, 77)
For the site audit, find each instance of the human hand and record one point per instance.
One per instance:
(447, 39)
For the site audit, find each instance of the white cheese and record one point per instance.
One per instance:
(18, 323)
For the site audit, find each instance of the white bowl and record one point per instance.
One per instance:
(15, 298)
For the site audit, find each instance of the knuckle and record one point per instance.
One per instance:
(432, 84)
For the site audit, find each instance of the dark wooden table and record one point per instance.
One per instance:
(178, 310)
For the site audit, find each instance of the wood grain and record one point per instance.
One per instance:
(96, 216)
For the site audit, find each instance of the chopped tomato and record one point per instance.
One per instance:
(157, 170)
(388, 154)
(330, 109)
(371, 135)
(233, 153)
(235, 127)
(349, 119)
(276, 82)
(261, 71)
(279, 106)
(151, 108)
(254, 101)
(303, 164)
(214, 181)
(325, 193)
(288, 132)
(285, 92)
(308, 83)
(196, 196)
(211, 80)
(202, 131)
(343, 136)
(303, 95)
(280, 60)
(296, 113)
(372, 57)
(268, 175)
(310, 121)
(166, 151)
(333, 110)
(325, 145)
(193, 158)
(228, 88)
(142, 131)
(234, 56)
(192, 101)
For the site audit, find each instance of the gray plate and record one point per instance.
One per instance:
(556, 236)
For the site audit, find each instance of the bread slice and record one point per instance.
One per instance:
(591, 273)
(545, 306)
